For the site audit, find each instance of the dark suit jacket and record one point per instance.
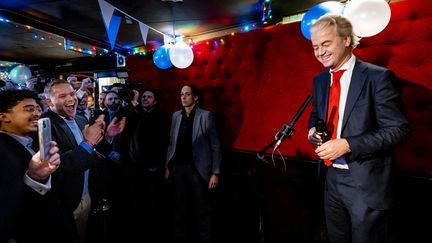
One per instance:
(75, 160)
(25, 214)
(206, 149)
(145, 138)
(120, 113)
(373, 124)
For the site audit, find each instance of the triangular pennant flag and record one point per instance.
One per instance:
(144, 31)
(107, 12)
(113, 30)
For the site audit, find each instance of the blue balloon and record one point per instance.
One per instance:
(161, 57)
(311, 16)
(20, 74)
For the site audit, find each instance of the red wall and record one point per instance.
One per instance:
(256, 81)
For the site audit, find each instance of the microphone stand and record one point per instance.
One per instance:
(286, 131)
(261, 153)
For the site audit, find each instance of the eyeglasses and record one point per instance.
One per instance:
(32, 109)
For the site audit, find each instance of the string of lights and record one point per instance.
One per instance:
(267, 12)
(67, 44)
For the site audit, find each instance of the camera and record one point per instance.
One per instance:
(125, 91)
(125, 94)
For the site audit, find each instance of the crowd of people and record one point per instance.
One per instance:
(108, 177)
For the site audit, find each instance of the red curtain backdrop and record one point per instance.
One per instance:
(256, 81)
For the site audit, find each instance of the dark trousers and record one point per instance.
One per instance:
(348, 217)
(147, 204)
(191, 203)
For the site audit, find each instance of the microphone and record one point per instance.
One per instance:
(320, 128)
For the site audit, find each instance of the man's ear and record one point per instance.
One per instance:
(348, 41)
(4, 117)
(49, 102)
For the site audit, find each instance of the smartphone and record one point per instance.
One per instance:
(94, 114)
(44, 132)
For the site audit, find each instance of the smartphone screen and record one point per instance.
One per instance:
(44, 132)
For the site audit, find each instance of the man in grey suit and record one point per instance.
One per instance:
(364, 119)
(194, 158)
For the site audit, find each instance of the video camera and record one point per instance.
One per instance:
(125, 91)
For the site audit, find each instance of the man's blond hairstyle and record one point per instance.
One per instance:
(343, 27)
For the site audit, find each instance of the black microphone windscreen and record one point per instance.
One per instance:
(320, 126)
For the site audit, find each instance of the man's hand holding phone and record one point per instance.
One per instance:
(40, 169)
(47, 160)
(94, 133)
(44, 135)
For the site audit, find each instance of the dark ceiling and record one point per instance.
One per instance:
(37, 29)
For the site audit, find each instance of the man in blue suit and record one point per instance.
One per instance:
(364, 119)
(84, 177)
(194, 158)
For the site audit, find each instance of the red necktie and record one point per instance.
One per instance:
(333, 108)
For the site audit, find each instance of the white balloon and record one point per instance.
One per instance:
(181, 55)
(368, 17)
(20, 74)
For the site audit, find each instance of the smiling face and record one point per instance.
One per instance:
(22, 118)
(330, 49)
(63, 101)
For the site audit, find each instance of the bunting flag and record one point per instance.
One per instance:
(107, 11)
(112, 23)
(113, 29)
(144, 31)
